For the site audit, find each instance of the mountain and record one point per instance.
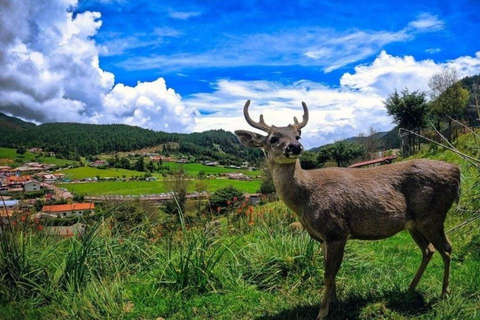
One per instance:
(71, 140)
(381, 140)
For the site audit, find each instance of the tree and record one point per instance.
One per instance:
(409, 112)
(124, 163)
(225, 196)
(449, 98)
(140, 164)
(309, 160)
(369, 141)
(344, 152)
(177, 183)
(151, 166)
(267, 186)
(200, 187)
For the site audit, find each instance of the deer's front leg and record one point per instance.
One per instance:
(333, 251)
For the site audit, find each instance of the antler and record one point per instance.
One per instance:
(302, 124)
(259, 125)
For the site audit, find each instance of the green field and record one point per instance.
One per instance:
(91, 172)
(8, 155)
(191, 169)
(152, 187)
(194, 168)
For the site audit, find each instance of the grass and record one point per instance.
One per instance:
(230, 268)
(91, 172)
(194, 168)
(264, 271)
(191, 169)
(9, 155)
(152, 187)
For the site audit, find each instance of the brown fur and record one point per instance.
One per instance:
(337, 204)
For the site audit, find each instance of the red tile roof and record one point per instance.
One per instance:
(69, 207)
(379, 160)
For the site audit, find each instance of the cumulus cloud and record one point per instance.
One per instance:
(335, 113)
(148, 104)
(51, 72)
(387, 72)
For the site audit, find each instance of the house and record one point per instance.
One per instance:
(158, 159)
(59, 176)
(373, 163)
(32, 185)
(150, 179)
(69, 210)
(211, 163)
(35, 150)
(49, 178)
(5, 216)
(17, 181)
(10, 204)
(253, 198)
(98, 163)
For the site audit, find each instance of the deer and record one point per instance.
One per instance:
(337, 204)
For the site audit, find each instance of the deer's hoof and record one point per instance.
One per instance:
(322, 314)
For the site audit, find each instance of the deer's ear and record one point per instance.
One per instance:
(250, 139)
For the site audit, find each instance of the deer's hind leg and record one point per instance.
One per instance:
(440, 241)
(427, 251)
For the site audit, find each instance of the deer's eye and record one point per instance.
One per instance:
(273, 140)
(298, 138)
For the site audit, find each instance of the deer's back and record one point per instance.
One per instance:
(378, 202)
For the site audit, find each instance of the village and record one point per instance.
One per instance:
(32, 190)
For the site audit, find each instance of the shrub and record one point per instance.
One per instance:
(225, 197)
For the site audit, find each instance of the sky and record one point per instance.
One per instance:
(184, 66)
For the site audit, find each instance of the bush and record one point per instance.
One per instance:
(223, 197)
(132, 216)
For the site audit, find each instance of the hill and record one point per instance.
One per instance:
(381, 140)
(72, 140)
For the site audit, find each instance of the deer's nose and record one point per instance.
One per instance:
(294, 148)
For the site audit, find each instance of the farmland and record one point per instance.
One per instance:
(151, 187)
(191, 169)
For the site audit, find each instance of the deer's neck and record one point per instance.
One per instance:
(290, 182)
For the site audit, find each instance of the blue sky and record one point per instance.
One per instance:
(189, 66)
(198, 42)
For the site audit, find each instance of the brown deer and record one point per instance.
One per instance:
(337, 204)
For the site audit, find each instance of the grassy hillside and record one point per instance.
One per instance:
(9, 156)
(266, 272)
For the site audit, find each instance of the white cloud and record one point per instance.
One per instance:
(427, 22)
(114, 44)
(335, 113)
(51, 72)
(183, 15)
(306, 46)
(387, 72)
(149, 105)
(433, 50)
